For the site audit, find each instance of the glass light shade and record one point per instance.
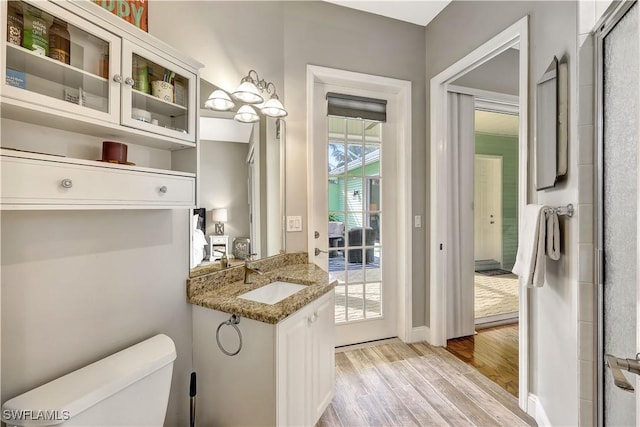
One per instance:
(248, 92)
(273, 108)
(219, 100)
(246, 114)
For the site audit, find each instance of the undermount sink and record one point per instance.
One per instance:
(273, 292)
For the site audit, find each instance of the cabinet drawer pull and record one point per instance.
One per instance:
(129, 81)
(117, 78)
(163, 189)
(66, 183)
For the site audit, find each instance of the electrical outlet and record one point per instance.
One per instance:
(294, 223)
(417, 221)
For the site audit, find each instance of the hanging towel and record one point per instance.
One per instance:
(553, 237)
(530, 262)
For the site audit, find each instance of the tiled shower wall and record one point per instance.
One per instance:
(589, 12)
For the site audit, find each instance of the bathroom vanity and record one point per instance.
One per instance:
(284, 371)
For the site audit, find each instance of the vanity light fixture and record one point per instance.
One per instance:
(250, 93)
(219, 100)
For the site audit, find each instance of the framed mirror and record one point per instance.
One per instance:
(551, 125)
(240, 188)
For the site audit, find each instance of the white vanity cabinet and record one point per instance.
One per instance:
(284, 375)
(52, 111)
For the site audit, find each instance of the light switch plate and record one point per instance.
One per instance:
(294, 223)
(417, 221)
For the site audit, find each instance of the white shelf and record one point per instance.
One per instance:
(157, 105)
(94, 163)
(26, 112)
(32, 64)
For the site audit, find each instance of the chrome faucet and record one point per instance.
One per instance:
(248, 269)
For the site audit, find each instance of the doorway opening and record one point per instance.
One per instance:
(455, 95)
(496, 292)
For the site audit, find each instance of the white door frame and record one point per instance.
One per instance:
(402, 89)
(515, 34)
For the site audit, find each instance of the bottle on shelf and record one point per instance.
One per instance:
(140, 74)
(104, 63)
(59, 42)
(15, 23)
(35, 35)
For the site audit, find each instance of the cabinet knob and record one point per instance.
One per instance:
(117, 78)
(66, 183)
(129, 81)
(163, 189)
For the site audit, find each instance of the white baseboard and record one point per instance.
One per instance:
(535, 409)
(421, 333)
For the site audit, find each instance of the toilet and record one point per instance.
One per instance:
(128, 388)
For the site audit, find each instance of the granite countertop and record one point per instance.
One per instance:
(220, 290)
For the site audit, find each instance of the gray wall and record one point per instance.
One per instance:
(80, 285)
(500, 74)
(456, 31)
(281, 39)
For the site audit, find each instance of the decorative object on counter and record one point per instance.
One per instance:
(224, 261)
(241, 247)
(249, 92)
(59, 41)
(16, 78)
(163, 90)
(135, 12)
(15, 23)
(35, 35)
(115, 152)
(219, 216)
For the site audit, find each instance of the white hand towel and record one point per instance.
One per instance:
(530, 261)
(553, 237)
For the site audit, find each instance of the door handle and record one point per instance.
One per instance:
(318, 251)
(617, 364)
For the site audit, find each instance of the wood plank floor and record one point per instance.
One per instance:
(494, 352)
(395, 384)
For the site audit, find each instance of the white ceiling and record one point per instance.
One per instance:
(496, 123)
(417, 12)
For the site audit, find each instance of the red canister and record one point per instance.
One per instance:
(115, 152)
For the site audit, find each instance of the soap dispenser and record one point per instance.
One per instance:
(224, 261)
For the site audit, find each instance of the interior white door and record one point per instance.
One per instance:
(618, 216)
(488, 208)
(357, 198)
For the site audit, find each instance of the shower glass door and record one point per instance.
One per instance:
(618, 216)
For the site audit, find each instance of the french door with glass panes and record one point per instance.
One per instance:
(359, 213)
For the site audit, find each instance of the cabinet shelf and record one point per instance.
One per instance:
(157, 105)
(56, 72)
(5, 152)
(25, 112)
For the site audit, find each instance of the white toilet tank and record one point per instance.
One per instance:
(129, 388)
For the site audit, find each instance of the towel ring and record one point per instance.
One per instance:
(233, 321)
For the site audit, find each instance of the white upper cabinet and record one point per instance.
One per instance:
(73, 75)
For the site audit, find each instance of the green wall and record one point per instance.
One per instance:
(507, 147)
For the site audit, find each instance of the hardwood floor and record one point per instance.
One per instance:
(395, 384)
(494, 352)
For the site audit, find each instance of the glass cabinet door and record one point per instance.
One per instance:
(54, 59)
(159, 96)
